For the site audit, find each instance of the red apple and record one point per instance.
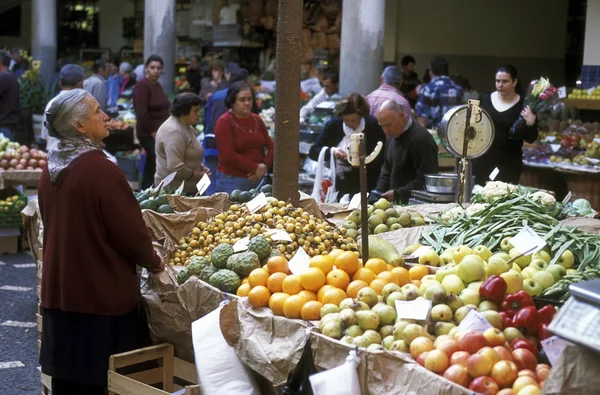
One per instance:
(26, 155)
(4, 163)
(478, 365)
(437, 361)
(490, 354)
(419, 345)
(503, 353)
(19, 167)
(507, 391)
(23, 149)
(472, 342)
(505, 373)
(494, 337)
(524, 359)
(484, 385)
(531, 389)
(421, 358)
(449, 346)
(523, 381)
(13, 162)
(440, 339)
(33, 162)
(24, 162)
(457, 374)
(41, 163)
(541, 373)
(459, 358)
(7, 155)
(527, 372)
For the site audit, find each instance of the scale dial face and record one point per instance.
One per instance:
(452, 130)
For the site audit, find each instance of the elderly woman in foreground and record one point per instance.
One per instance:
(94, 236)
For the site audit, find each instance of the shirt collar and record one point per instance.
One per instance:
(408, 124)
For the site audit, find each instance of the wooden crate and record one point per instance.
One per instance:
(140, 383)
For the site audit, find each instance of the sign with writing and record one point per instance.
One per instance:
(527, 241)
(474, 322)
(279, 235)
(203, 184)
(257, 203)
(413, 309)
(299, 262)
(241, 244)
(553, 346)
(494, 174)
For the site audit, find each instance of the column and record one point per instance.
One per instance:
(159, 37)
(591, 49)
(43, 35)
(361, 57)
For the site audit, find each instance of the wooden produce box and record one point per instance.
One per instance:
(142, 382)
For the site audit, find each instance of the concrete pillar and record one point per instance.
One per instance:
(43, 40)
(361, 57)
(591, 48)
(159, 37)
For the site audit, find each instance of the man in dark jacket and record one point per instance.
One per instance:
(9, 98)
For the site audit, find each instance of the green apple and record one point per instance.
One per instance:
(462, 312)
(493, 317)
(430, 258)
(471, 268)
(505, 244)
(522, 261)
(410, 249)
(446, 257)
(440, 274)
(428, 277)
(503, 255)
(443, 328)
(488, 305)
(460, 252)
(475, 285)
(511, 334)
(483, 252)
(382, 204)
(538, 264)
(470, 296)
(543, 255)
(454, 301)
(496, 265)
(426, 284)
(441, 312)
(528, 272)
(544, 278)
(436, 293)
(566, 260)
(514, 281)
(532, 287)
(453, 284)
(557, 271)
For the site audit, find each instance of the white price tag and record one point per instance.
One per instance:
(203, 184)
(593, 160)
(422, 250)
(241, 244)
(268, 85)
(179, 190)
(355, 202)
(257, 203)
(311, 85)
(562, 92)
(553, 346)
(555, 147)
(279, 235)
(168, 179)
(299, 262)
(527, 241)
(494, 174)
(413, 309)
(549, 139)
(597, 139)
(474, 322)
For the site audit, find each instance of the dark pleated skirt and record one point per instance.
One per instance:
(76, 347)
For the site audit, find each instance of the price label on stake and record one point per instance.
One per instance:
(355, 202)
(279, 235)
(553, 346)
(413, 309)
(527, 241)
(299, 262)
(241, 244)
(257, 203)
(474, 322)
(555, 147)
(168, 179)
(549, 139)
(494, 174)
(179, 190)
(203, 184)
(562, 92)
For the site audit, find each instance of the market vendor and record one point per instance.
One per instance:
(216, 82)
(410, 153)
(94, 237)
(331, 84)
(351, 116)
(129, 80)
(504, 106)
(177, 149)
(244, 145)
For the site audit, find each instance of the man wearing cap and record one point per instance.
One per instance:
(96, 84)
(391, 82)
(70, 77)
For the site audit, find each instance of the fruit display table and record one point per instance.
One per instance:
(28, 178)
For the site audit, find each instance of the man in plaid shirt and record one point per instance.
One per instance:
(439, 96)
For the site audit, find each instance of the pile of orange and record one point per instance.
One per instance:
(329, 280)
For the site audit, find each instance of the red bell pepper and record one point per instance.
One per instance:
(526, 344)
(512, 303)
(527, 320)
(494, 289)
(507, 320)
(543, 333)
(546, 314)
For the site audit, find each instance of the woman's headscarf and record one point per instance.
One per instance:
(64, 110)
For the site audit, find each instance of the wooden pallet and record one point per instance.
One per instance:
(141, 383)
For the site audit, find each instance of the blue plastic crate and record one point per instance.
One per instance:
(129, 166)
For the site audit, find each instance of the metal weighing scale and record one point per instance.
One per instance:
(467, 132)
(424, 197)
(579, 318)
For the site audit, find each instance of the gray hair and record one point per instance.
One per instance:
(392, 75)
(391, 105)
(125, 68)
(66, 109)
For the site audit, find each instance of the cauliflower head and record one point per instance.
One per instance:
(543, 197)
(475, 208)
(495, 190)
(452, 214)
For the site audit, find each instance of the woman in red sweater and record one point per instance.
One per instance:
(244, 145)
(94, 237)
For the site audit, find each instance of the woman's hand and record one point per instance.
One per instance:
(528, 116)
(339, 153)
(261, 170)
(158, 269)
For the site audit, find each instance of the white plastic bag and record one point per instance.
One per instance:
(325, 173)
(220, 370)
(342, 380)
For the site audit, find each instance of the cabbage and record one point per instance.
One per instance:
(582, 207)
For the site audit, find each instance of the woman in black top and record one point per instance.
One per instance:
(504, 106)
(351, 116)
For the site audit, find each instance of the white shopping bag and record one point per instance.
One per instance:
(325, 179)
(342, 380)
(220, 370)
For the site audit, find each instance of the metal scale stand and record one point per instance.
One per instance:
(467, 132)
